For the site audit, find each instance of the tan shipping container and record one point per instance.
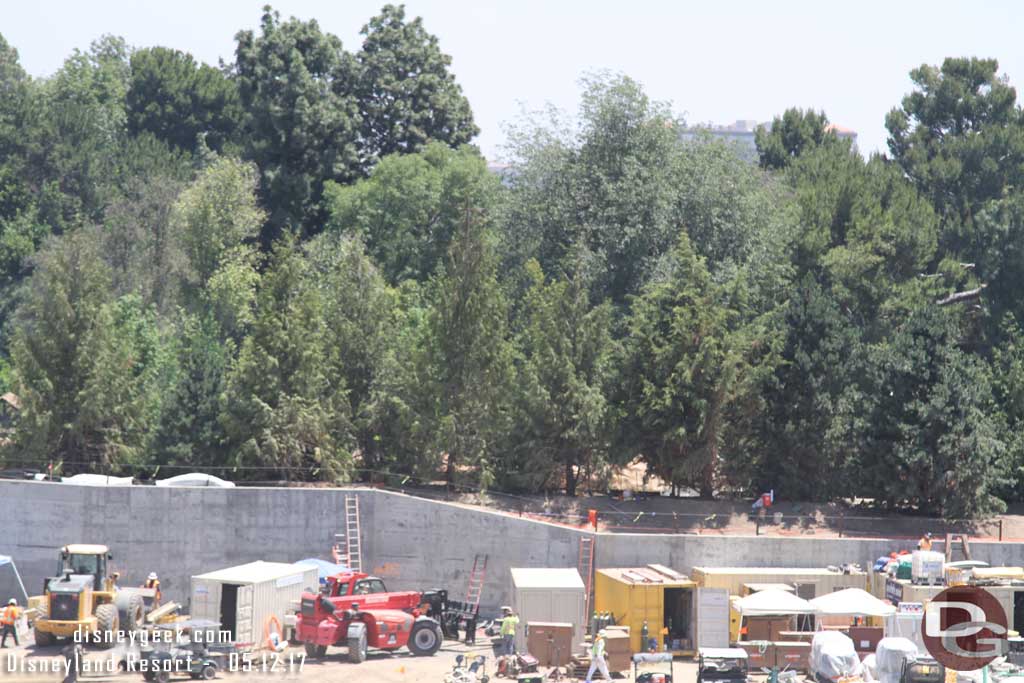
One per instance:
(809, 583)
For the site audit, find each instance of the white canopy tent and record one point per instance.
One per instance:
(851, 602)
(773, 602)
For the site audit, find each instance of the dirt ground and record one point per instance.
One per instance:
(42, 665)
(662, 514)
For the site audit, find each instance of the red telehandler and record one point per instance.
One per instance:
(356, 611)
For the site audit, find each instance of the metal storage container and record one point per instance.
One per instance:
(244, 599)
(808, 582)
(548, 595)
(656, 596)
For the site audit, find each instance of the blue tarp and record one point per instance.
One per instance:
(323, 567)
(10, 582)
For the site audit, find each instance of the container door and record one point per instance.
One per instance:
(711, 617)
(245, 627)
(203, 600)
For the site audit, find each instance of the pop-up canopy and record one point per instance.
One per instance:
(773, 602)
(851, 602)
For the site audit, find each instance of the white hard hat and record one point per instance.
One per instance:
(12, 601)
(506, 608)
(152, 576)
(602, 633)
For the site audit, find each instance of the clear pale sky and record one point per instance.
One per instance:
(715, 61)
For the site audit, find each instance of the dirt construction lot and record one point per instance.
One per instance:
(44, 665)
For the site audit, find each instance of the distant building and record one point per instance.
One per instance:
(741, 134)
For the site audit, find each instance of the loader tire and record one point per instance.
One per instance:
(107, 624)
(425, 638)
(43, 639)
(314, 651)
(357, 649)
(131, 611)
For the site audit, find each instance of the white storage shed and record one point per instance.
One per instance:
(548, 595)
(243, 599)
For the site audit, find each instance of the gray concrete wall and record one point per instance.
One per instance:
(410, 542)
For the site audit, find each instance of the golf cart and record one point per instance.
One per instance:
(722, 664)
(652, 676)
(922, 670)
(184, 648)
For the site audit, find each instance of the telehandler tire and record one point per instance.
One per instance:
(425, 638)
(314, 651)
(357, 649)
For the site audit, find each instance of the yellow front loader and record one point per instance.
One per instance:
(82, 599)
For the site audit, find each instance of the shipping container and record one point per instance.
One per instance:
(1010, 597)
(548, 595)
(675, 613)
(808, 583)
(245, 600)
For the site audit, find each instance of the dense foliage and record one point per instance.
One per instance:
(297, 267)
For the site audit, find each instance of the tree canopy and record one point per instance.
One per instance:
(297, 267)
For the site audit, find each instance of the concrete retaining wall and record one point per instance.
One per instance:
(410, 542)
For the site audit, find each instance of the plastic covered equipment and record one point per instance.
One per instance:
(834, 657)
(890, 655)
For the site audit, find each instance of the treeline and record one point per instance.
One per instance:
(295, 267)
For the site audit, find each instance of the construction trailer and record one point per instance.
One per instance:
(808, 583)
(674, 610)
(548, 595)
(247, 599)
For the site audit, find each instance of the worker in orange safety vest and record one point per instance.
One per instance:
(9, 622)
(153, 581)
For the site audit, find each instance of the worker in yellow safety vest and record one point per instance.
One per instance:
(926, 542)
(9, 622)
(509, 621)
(597, 657)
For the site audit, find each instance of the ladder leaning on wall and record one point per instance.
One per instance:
(348, 549)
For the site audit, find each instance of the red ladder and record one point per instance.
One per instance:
(586, 569)
(477, 576)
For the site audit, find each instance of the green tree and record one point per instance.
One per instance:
(301, 127)
(360, 325)
(76, 128)
(931, 438)
(280, 411)
(866, 233)
(567, 364)
(140, 242)
(410, 207)
(190, 433)
(407, 95)
(959, 137)
(799, 450)
(695, 361)
(217, 213)
(795, 132)
(609, 185)
(88, 369)
(180, 101)
(449, 385)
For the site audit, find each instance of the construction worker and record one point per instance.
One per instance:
(926, 541)
(9, 622)
(509, 621)
(597, 657)
(153, 581)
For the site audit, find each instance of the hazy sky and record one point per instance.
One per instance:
(715, 61)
